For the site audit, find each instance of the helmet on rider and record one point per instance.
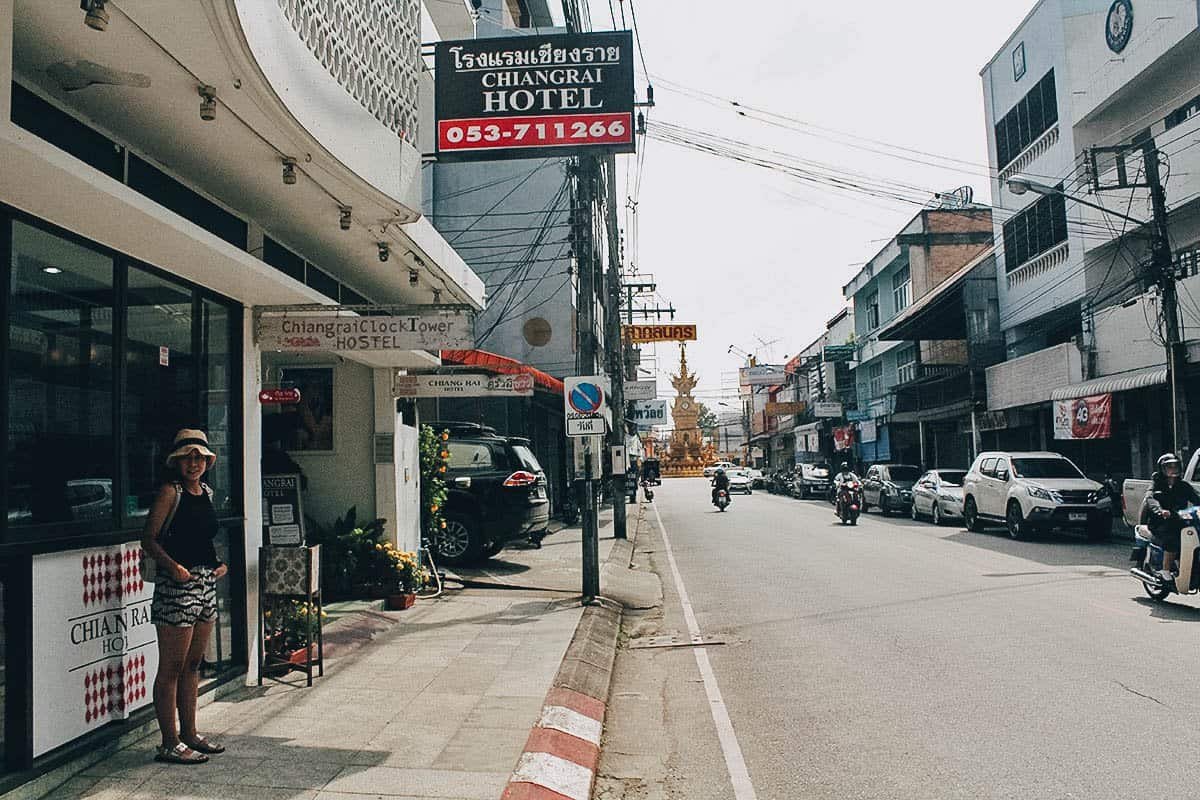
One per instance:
(720, 471)
(1168, 464)
(845, 467)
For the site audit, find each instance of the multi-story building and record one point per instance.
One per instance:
(1072, 280)
(170, 169)
(932, 247)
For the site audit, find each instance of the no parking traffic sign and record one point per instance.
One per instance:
(585, 402)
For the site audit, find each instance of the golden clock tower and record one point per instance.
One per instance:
(687, 453)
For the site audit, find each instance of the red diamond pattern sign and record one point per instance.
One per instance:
(108, 688)
(104, 576)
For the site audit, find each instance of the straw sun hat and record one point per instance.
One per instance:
(189, 439)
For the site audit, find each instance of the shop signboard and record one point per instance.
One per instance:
(534, 96)
(834, 353)
(1083, 417)
(767, 375)
(585, 403)
(305, 333)
(757, 452)
(866, 431)
(93, 643)
(462, 385)
(785, 409)
(641, 390)
(645, 334)
(827, 410)
(283, 513)
(854, 415)
(649, 413)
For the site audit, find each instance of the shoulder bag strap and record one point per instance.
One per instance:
(166, 526)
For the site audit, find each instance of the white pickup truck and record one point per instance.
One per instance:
(1133, 491)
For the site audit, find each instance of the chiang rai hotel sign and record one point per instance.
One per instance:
(534, 96)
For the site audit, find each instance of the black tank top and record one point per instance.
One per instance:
(189, 541)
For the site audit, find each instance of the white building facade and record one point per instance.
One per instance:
(1073, 77)
(165, 175)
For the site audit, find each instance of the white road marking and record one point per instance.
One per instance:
(561, 718)
(554, 773)
(739, 775)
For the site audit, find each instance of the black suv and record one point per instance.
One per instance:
(496, 493)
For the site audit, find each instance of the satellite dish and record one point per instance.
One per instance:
(962, 197)
(72, 76)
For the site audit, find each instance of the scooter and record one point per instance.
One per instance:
(722, 501)
(849, 502)
(648, 491)
(1148, 556)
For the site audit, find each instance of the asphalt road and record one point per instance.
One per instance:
(900, 660)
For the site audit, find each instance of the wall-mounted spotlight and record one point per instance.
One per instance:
(97, 15)
(413, 277)
(208, 102)
(384, 251)
(289, 170)
(344, 217)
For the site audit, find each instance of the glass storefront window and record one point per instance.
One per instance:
(219, 376)
(160, 381)
(60, 381)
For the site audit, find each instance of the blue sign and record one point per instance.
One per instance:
(586, 398)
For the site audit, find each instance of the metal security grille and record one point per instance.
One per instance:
(372, 48)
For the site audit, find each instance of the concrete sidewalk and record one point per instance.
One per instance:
(438, 706)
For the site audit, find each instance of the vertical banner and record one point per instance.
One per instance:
(1083, 418)
(93, 644)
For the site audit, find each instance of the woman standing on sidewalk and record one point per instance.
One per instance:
(179, 536)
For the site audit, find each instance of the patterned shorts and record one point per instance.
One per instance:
(182, 605)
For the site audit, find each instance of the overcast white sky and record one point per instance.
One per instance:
(750, 254)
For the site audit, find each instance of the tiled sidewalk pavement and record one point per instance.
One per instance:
(440, 707)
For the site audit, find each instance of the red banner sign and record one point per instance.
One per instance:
(843, 438)
(280, 397)
(1083, 418)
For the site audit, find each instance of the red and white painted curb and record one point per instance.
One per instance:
(562, 752)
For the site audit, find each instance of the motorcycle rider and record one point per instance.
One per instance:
(1168, 494)
(720, 481)
(845, 475)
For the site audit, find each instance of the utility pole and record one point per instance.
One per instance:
(614, 346)
(583, 229)
(1162, 265)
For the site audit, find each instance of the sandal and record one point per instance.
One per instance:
(202, 745)
(179, 754)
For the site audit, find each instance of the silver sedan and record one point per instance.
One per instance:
(938, 495)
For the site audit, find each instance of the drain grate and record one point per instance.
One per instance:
(674, 640)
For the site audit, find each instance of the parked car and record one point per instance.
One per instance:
(889, 486)
(496, 493)
(740, 481)
(712, 468)
(757, 479)
(1029, 492)
(811, 480)
(1133, 491)
(938, 495)
(652, 471)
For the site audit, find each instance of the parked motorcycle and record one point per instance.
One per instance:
(647, 491)
(722, 499)
(1148, 556)
(849, 502)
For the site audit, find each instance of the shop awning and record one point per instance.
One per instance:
(939, 314)
(1121, 382)
(502, 365)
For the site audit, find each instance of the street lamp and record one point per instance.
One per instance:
(1020, 184)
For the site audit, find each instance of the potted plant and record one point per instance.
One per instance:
(407, 576)
(287, 631)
